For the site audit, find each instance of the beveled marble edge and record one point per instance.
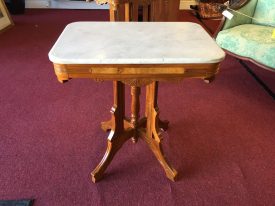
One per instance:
(182, 60)
(135, 61)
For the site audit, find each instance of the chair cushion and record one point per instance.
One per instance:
(265, 13)
(239, 19)
(250, 40)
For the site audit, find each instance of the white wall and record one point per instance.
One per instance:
(37, 3)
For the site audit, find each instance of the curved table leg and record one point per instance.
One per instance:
(115, 142)
(163, 124)
(152, 137)
(106, 126)
(156, 148)
(122, 129)
(118, 136)
(208, 80)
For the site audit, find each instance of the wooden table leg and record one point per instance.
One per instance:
(135, 106)
(163, 124)
(118, 135)
(113, 12)
(135, 92)
(152, 136)
(108, 125)
(122, 129)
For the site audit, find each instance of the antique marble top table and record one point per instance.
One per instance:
(134, 43)
(136, 54)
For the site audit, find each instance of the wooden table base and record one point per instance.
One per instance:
(123, 129)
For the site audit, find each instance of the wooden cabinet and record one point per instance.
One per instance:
(143, 10)
(166, 10)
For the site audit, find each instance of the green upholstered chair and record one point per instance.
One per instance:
(251, 39)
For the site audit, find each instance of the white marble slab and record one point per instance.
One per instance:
(135, 43)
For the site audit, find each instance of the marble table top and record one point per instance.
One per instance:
(135, 43)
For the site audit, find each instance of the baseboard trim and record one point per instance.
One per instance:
(37, 4)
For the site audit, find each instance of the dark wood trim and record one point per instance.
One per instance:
(251, 60)
(239, 4)
(220, 27)
(258, 79)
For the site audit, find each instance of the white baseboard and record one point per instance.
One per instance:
(63, 4)
(37, 4)
(185, 4)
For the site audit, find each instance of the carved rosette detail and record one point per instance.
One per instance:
(137, 82)
(99, 80)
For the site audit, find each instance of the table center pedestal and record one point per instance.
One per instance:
(122, 129)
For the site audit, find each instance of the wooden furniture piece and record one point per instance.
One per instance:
(5, 18)
(250, 39)
(135, 54)
(142, 10)
(208, 9)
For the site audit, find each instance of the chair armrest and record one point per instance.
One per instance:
(238, 19)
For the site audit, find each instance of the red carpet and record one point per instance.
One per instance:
(221, 137)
